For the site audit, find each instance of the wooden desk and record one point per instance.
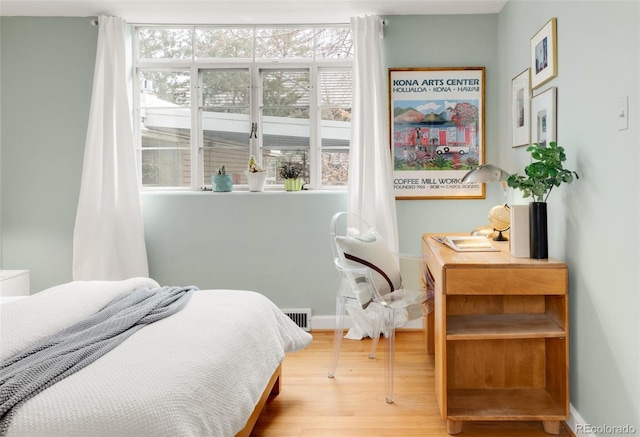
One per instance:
(501, 336)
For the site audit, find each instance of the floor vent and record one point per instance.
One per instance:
(300, 316)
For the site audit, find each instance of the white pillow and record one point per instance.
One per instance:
(371, 251)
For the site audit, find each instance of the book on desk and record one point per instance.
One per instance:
(467, 243)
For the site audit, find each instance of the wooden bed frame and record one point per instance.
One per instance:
(272, 389)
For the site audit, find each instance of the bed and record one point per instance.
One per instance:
(205, 371)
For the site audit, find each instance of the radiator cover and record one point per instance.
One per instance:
(300, 316)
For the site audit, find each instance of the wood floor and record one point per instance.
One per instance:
(352, 404)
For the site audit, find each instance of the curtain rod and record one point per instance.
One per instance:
(235, 24)
(94, 22)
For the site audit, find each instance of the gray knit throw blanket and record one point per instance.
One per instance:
(31, 371)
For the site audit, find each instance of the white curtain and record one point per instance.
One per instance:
(108, 239)
(370, 187)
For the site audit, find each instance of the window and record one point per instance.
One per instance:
(213, 95)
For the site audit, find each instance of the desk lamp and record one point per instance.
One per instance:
(491, 173)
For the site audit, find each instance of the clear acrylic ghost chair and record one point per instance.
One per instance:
(370, 277)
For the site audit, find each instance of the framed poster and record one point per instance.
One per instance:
(544, 55)
(437, 131)
(520, 108)
(543, 117)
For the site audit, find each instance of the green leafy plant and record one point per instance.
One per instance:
(290, 170)
(544, 173)
(440, 162)
(222, 170)
(294, 165)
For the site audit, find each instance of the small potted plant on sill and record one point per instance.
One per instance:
(256, 175)
(291, 172)
(545, 172)
(221, 181)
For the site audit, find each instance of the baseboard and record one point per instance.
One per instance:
(322, 323)
(578, 426)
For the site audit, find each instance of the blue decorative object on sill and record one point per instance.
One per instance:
(221, 182)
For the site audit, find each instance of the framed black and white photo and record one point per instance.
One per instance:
(543, 117)
(520, 109)
(437, 131)
(544, 55)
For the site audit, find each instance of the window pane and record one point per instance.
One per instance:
(163, 137)
(234, 159)
(225, 141)
(164, 43)
(336, 114)
(236, 43)
(225, 129)
(285, 88)
(284, 43)
(285, 117)
(166, 168)
(165, 121)
(285, 112)
(335, 87)
(165, 127)
(274, 159)
(226, 122)
(164, 88)
(335, 127)
(285, 133)
(227, 88)
(334, 43)
(335, 167)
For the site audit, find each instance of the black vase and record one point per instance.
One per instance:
(538, 242)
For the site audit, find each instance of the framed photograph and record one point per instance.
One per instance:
(543, 117)
(520, 109)
(437, 131)
(544, 55)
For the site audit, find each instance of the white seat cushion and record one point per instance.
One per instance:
(371, 251)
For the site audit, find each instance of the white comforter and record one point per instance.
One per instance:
(199, 372)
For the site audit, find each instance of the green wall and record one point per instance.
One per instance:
(277, 243)
(593, 223)
(447, 41)
(272, 242)
(46, 79)
(596, 68)
(0, 144)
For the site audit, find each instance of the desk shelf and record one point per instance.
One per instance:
(504, 404)
(501, 336)
(502, 326)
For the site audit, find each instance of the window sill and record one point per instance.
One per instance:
(239, 192)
